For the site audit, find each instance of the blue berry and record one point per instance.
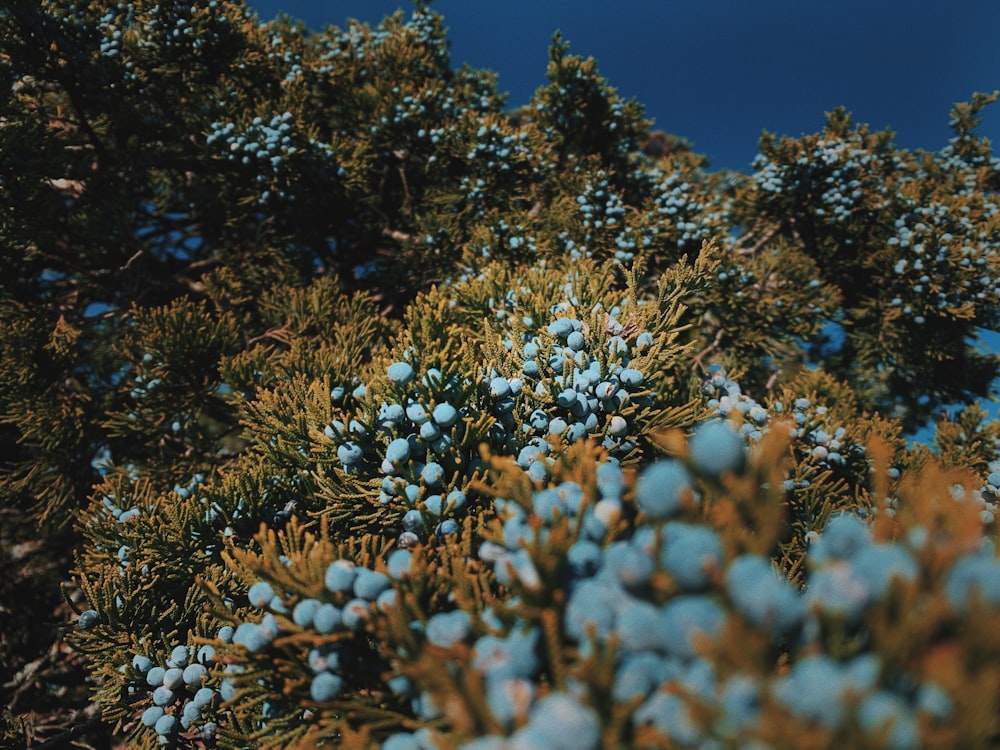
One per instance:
(151, 715)
(689, 553)
(368, 584)
(194, 675)
(166, 725)
(883, 714)
(179, 657)
(260, 594)
(173, 678)
(631, 378)
(445, 415)
(565, 723)
(509, 698)
(400, 372)
(154, 677)
(327, 618)
(325, 687)
(576, 341)
(355, 613)
(662, 489)
(844, 536)
(973, 577)
(398, 451)
(447, 629)
(142, 664)
(350, 454)
(687, 618)
(163, 696)
(499, 387)
(432, 474)
(302, 614)
(716, 450)
(340, 576)
(761, 595)
(398, 563)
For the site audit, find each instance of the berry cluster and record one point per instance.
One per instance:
(267, 147)
(183, 702)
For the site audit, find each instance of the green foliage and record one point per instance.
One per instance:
(277, 303)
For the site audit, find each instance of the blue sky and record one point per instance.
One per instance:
(718, 72)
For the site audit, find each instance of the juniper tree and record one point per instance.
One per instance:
(360, 408)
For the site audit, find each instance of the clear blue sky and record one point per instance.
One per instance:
(718, 72)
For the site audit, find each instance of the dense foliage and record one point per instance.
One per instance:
(349, 407)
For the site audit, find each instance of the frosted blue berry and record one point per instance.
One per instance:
(398, 451)
(591, 609)
(456, 501)
(179, 657)
(671, 717)
(430, 431)
(844, 536)
(88, 619)
(163, 696)
(973, 577)
(416, 413)
(434, 504)
(883, 714)
(447, 629)
(631, 378)
(398, 563)
(637, 626)
(510, 657)
(325, 687)
(445, 415)
(340, 576)
(350, 454)
(368, 584)
(151, 715)
(934, 701)
(142, 664)
(663, 488)
(206, 654)
(304, 611)
(561, 327)
(432, 473)
(203, 697)
(166, 725)
(194, 675)
(499, 387)
(879, 564)
(402, 741)
(812, 691)
(400, 372)
(716, 450)
(687, 618)
(627, 564)
(565, 723)
(173, 678)
(190, 714)
(689, 553)
(509, 699)
(761, 595)
(260, 594)
(355, 613)
(154, 677)
(576, 341)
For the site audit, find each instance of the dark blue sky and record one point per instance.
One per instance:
(718, 72)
